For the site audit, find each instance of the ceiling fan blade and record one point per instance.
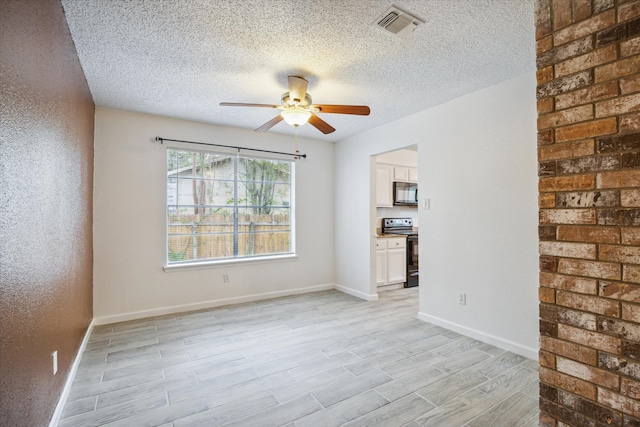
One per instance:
(297, 88)
(361, 110)
(241, 104)
(271, 123)
(320, 124)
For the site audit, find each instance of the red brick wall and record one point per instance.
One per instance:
(588, 57)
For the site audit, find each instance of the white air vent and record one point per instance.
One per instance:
(397, 22)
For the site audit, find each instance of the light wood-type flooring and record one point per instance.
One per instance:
(319, 359)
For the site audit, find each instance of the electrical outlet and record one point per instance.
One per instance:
(462, 299)
(54, 356)
(225, 277)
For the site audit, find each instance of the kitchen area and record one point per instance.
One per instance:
(396, 207)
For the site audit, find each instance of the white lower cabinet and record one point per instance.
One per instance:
(391, 260)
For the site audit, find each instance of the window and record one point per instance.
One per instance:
(225, 206)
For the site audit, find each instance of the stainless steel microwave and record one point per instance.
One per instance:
(405, 194)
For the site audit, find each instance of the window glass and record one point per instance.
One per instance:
(222, 206)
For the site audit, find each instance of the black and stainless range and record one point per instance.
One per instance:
(404, 226)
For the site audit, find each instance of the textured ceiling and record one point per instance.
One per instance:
(181, 58)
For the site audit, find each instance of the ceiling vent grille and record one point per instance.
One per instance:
(397, 22)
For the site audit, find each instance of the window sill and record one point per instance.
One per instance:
(228, 262)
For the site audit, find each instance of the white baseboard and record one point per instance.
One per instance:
(357, 294)
(530, 353)
(55, 419)
(104, 320)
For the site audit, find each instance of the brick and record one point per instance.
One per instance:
(546, 137)
(545, 105)
(589, 234)
(630, 160)
(546, 169)
(633, 27)
(620, 105)
(631, 312)
(602, 5)
(544, 75)
(567, 382)
(631, 273)
(561, 417)
(587, 95)
(619, 253)
(565, 117)
(615, 70)
(630, 47)
(630, 388)
(619, 179)
(561, 53)
(548, 263)
(629, 216)
(629, 421)
(619, 143)
(628, 11)
(567, 216)
(564, 84)
(549, 393)
(630, 236)
(561, 13)
(546, 359)
(587, 373)
(578, 319)
(586, 199)
(546, 295)
(586, 61)
(547, 232)
(542, 14)
(566, 150)
(630, 84)
(544, 44)
(587, 130)
(611, 35)
(546, 201)
(597, 269)
(619, 328)
(619, 291)
(588, 164)
(602, 416)
(590, 339)
(565, 183)
(630, 349)
(581, 9)
(569, 283)
(569, 350)
(618, 401)
(620, 365)
(548, 328)
(584, 28)
(589, 303)
(568, 250)
(630, 123)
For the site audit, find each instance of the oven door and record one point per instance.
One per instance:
(413, 276)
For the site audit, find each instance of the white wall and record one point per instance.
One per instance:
(129, 221)
(477, 164)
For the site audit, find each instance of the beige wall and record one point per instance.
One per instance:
(46, 181)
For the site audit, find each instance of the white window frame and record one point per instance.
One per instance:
(215, 262)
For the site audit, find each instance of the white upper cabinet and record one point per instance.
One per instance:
(413, 174)
(384, 185)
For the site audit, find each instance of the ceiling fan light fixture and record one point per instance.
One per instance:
(296, 116)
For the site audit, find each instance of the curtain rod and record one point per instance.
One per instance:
(158, 138)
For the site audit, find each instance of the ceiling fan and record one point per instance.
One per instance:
(297, 108)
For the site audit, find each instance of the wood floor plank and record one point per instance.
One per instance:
(323, 358)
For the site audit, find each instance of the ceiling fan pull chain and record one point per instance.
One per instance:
(295, 139)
